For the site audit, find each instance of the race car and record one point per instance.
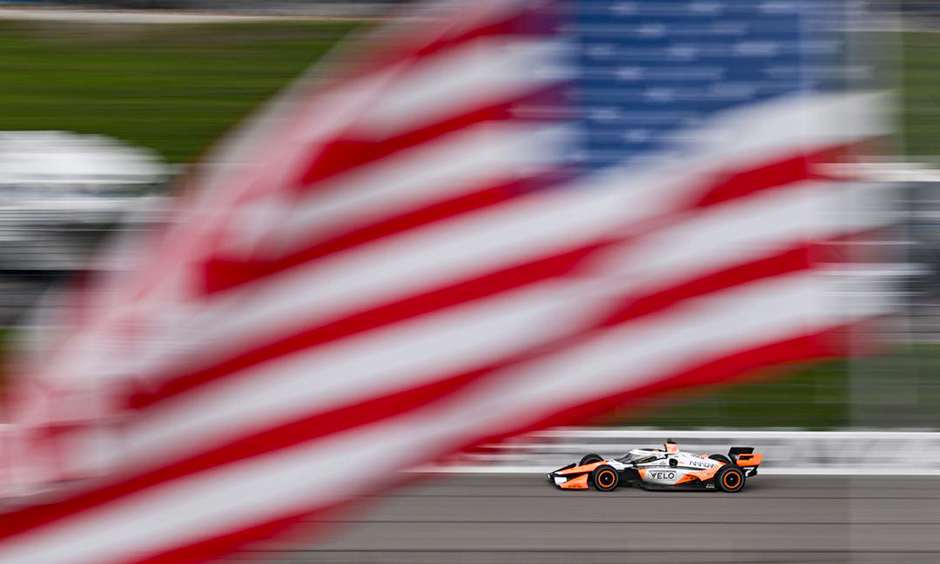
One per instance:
(661, 469)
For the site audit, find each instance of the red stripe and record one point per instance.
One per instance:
(739, 183)
(826, 343)
(222, 274)
(217, 547)
(358, 148)
(819, 345)
(423, 41)
(229, 273)
(422, 304)
(312, 524)
(296, 432)
(788, 260)
(416, 305)
(409, 48)
(532, 20)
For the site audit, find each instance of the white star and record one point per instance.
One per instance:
(685, 52)
(605, 114)
(660, 94)
(778, 7)
(705, 7)
(630, 73)
(652, 30)
(729, 28)
(601, 50)
(637, 135)
(757, 48)
(625, 8)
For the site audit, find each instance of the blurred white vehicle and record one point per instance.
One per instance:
(60, 192)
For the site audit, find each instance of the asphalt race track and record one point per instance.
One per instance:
(523, 519)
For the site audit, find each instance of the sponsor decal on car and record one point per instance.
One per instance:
(662, 474)
(700, 463)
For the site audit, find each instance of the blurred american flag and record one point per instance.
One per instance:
(512, 214)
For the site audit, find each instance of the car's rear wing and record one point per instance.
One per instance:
(745, 456)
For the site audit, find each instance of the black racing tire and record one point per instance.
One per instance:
(605, 478)
(729, 479)
(720, 458)
(590, 459)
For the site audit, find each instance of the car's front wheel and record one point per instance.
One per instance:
(729, 479)
(605, 478)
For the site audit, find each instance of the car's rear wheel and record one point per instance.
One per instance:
(729, 479)
(605, 478)
(590, 459)
(720, 458)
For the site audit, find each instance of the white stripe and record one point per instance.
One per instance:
(765, 132)
(480, 73)
(199, 217)
(405, 265)
(400, 357)
(389, 269)
(410, 263)
(253, 490)
(436, 169)
(782, 125)
(340, 103)
(457, 165)
(741, 231)
(314, 120)
(649, 349)
(735, 233)
(236, 495)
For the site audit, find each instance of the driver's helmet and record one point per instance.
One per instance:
(671, 447)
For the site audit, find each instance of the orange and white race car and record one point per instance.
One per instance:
(661, 469)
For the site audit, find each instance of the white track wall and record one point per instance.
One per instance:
(785, 452)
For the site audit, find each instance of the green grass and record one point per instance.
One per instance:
(177, 88)
(173, 88)
(896, 389)
(920, 93)
(811, 396)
